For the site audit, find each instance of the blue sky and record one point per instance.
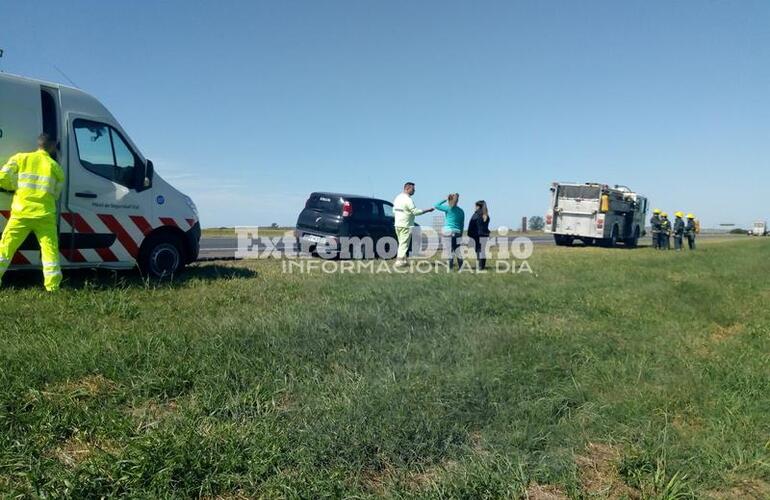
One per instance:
(249, 106)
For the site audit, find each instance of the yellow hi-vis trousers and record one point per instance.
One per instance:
(404, 235)
(14, 234)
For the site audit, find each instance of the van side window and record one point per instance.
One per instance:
(103, 152)
(48, 106)
(387, 210)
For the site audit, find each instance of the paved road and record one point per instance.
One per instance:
(224, 247)
(213, 248)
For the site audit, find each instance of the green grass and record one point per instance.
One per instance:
(605, 372)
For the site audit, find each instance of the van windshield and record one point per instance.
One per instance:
(582, 192)
(327, 204)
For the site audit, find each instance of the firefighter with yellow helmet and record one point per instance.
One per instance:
(36, 180)
(655, 226)
(690, 230)
(678, 230)
(665, 232)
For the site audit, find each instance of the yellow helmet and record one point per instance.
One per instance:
(656, 211)
(690, 216)
(679, 214)
(663, 214)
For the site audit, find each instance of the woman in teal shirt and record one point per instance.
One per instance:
(454, 222)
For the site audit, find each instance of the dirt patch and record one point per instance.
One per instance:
(751, 488)
(79, 448)
(88, 386)
(599, 473)
(544, 492)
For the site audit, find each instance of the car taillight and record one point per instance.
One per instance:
(347, 209)
(549, 219)
(600, 222)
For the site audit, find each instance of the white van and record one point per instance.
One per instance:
(115, 212)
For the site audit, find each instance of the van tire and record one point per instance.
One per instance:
(562, 241)
(162, 256)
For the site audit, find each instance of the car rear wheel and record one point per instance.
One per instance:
(162, 256)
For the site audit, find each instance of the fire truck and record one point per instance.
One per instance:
(595, 214)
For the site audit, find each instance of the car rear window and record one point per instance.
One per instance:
(365, 209)
(322, 203)
(582, 192)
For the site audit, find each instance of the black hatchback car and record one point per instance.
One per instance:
(330, 217)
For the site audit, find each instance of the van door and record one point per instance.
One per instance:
(20, 124)
(107, 203)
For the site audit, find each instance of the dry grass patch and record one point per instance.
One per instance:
(376, 481)
(721, 333)
(544, 492)
(88, 386)
(233, 495)
(751, 488)
(599, 473)
(79, 448)
(151, 413)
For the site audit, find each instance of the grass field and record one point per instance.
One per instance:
(606, 373)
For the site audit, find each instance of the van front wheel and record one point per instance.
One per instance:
(162, 256)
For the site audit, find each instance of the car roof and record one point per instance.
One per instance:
(345, 196)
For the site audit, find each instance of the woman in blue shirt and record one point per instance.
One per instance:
(454, 222)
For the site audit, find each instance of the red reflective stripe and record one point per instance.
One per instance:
(78, 222)
(142, 224)
(168, 221)
(81, 226)
(191, 222)
(125, 239)
(106, 254)
(72, 255)
(6, 213)
(19, 259)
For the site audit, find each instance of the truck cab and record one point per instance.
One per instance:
(595, 213)
(115, 211)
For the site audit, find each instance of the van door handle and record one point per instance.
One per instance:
(86, 195)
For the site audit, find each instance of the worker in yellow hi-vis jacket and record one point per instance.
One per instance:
(36, 180)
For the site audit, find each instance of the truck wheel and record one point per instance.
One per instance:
(633, 241)
(162, 256)
(612, 241)
(561, 240)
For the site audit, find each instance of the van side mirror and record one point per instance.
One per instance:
(149, 173)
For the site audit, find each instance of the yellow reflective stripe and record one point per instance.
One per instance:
(7, 169)
(35, 177)
(37, 187)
